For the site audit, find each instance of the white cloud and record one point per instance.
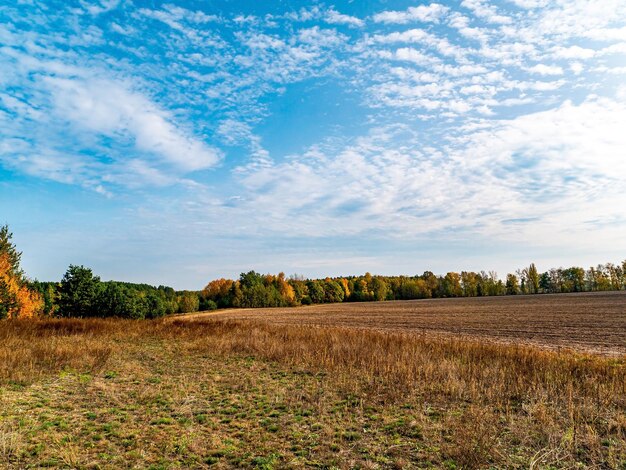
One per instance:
(530, 3)
(321, 38)
(49, 164)
(197, 16)
(573, 52)
(548, 167)
(99, 7)
(606, 34)
(111, 109)
(483, 10)
(415, 56)
(543, 69)
(441, 45)
(334, 17)
(617, 49)
(125, 30)
(577, 68)
(411, 35)
(611, 70)
(461, 24)
(424, 13)
(173, 15)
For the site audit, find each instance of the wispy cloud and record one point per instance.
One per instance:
(108, 108)
(537, 167)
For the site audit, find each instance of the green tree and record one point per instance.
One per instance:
(316, 292)
(79, 292)
(49, 292)
(451, 285)
(188, 301)
(577, 276)
(300, 290)
(380, 288)
(431, 282)
(546, 284)
(111, 301)
(360, 291)
(512, 284)
(8, 300)
(469, 281)
(333, 292)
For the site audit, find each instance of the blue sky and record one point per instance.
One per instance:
(176, 142)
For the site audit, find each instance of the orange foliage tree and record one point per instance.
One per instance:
(285, 289)
(17, 300)
(217, 288)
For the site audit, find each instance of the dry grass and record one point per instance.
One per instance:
(110, 394)
(30, 349)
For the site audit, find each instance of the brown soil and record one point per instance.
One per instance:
(591, 322)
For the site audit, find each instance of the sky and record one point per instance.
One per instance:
(182, 141)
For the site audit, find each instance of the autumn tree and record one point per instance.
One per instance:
(345, 285)
(17, 299)
(9, 306)
(300, 290)
(286, 292)
(218, 291)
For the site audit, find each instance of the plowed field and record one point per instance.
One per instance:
(591, 322)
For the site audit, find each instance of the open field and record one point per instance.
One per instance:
(222, 393)
(593, 322)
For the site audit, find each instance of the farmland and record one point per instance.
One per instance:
(591, 322)
(425, 384)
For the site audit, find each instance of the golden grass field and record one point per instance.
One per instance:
(259, 390)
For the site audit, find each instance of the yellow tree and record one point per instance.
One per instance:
(17, 300)
(285, 289)
(217, 288)
(346, 287)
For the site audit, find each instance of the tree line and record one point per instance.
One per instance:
(82, 294)
(257, 290)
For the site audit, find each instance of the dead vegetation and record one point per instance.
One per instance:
(224, 393)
